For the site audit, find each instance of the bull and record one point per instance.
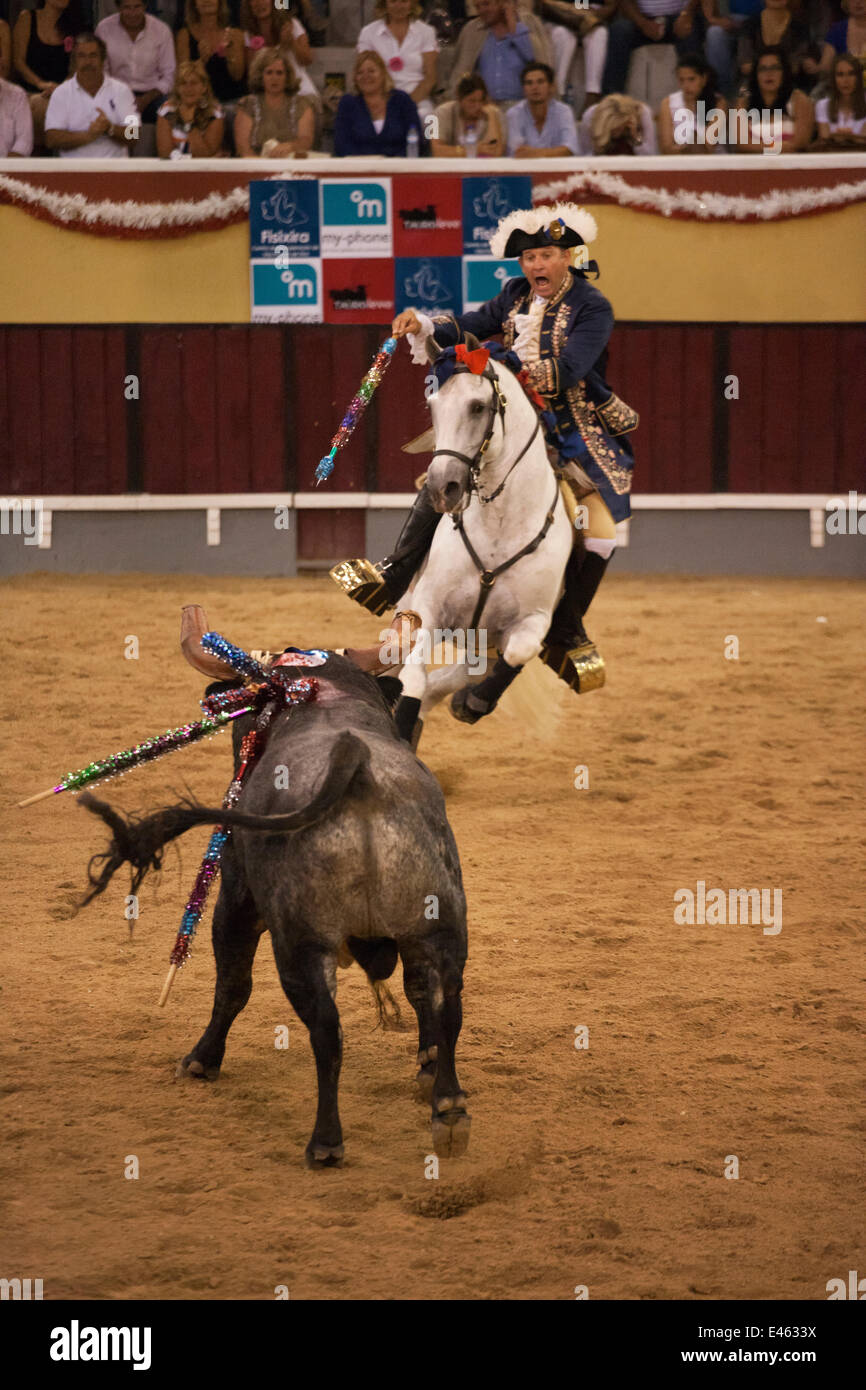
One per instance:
(356, 860)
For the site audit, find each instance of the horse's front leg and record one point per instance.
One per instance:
(523, 638)
(522, 641)
(413, 678)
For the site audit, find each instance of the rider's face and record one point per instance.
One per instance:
(545, 268)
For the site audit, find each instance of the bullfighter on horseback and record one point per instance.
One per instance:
(558, 325)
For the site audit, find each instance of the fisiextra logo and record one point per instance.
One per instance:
(346, 204)
(426, 285)
(282, 207)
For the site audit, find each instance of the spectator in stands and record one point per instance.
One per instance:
(499, 44)
(618, 125)
(190, 124)
(724, 20)
(208, 36)
(140, 53)
(274, 121)
(41, 48)
(847, 36)
(539, 127)
(776, 27)
(781, 116)
(378, 118)
(471, 125)
(408, 47)
(91, 115)
(841, 116)
(5, 50)
(682, 122)
(264, 26)
(16, 122)
(566, 23)
(647, 21)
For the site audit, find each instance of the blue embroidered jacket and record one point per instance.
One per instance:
(591, 422)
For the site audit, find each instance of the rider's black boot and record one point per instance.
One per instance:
(378, 587)
(567, 649)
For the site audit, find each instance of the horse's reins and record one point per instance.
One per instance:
(486, 576)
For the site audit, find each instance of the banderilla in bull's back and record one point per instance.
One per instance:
(349, 856)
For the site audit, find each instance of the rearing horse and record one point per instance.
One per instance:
(498, 566)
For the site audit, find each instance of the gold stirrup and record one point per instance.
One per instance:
(363, 582)
(582, 668)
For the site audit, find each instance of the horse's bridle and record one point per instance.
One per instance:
(488, 577)
(497, 411)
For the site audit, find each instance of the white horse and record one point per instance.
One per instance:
(497, 562)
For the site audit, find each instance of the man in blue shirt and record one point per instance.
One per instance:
(540, 127)
(498, 45)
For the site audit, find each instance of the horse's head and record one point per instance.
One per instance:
(469, 424)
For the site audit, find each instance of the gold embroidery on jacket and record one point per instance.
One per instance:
(617, 417)
(586, 419)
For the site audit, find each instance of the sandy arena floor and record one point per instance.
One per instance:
(601, 1167)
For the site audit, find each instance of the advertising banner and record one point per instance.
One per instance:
(358, 250)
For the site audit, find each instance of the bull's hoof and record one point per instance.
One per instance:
(451, 1134)
(324, 1156)
(191, 1069)
(467, 707)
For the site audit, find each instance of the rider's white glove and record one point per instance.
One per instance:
(417, 341)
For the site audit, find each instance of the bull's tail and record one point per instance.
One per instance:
(141, 842)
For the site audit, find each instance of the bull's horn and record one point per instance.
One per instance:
(471, 341)
(431, 347)
(193, 626)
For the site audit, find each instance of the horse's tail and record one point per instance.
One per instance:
(141, 842)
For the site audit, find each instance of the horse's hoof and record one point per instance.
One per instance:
(467, 707)
(451, 1134)
(191, 1069)
(324, 1156)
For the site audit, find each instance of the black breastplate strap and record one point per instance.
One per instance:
(488, 577)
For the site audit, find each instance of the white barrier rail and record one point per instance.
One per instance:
(213, 504)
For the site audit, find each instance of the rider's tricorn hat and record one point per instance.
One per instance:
(558, 224)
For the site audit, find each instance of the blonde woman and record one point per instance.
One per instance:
(208, 37)
(407, 46)
(470, 125)
(275, 120)
(190, 123)
(376, 118)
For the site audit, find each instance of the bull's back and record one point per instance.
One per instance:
(381, 862)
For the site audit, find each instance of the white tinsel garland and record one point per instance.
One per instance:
(76, 208)
(705, 206)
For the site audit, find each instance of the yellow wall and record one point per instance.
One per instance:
(807, 269)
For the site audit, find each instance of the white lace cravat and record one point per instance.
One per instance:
(528, 331)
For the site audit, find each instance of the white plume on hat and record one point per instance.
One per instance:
(531, 220)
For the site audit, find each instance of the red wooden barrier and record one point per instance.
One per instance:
(240, 409)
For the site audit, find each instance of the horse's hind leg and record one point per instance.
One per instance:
(308, 976)
(433, 981)
(236, 931)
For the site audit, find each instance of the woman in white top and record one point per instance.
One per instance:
(682, 122)
(408, 48)
(264, 26)
(841, 117)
